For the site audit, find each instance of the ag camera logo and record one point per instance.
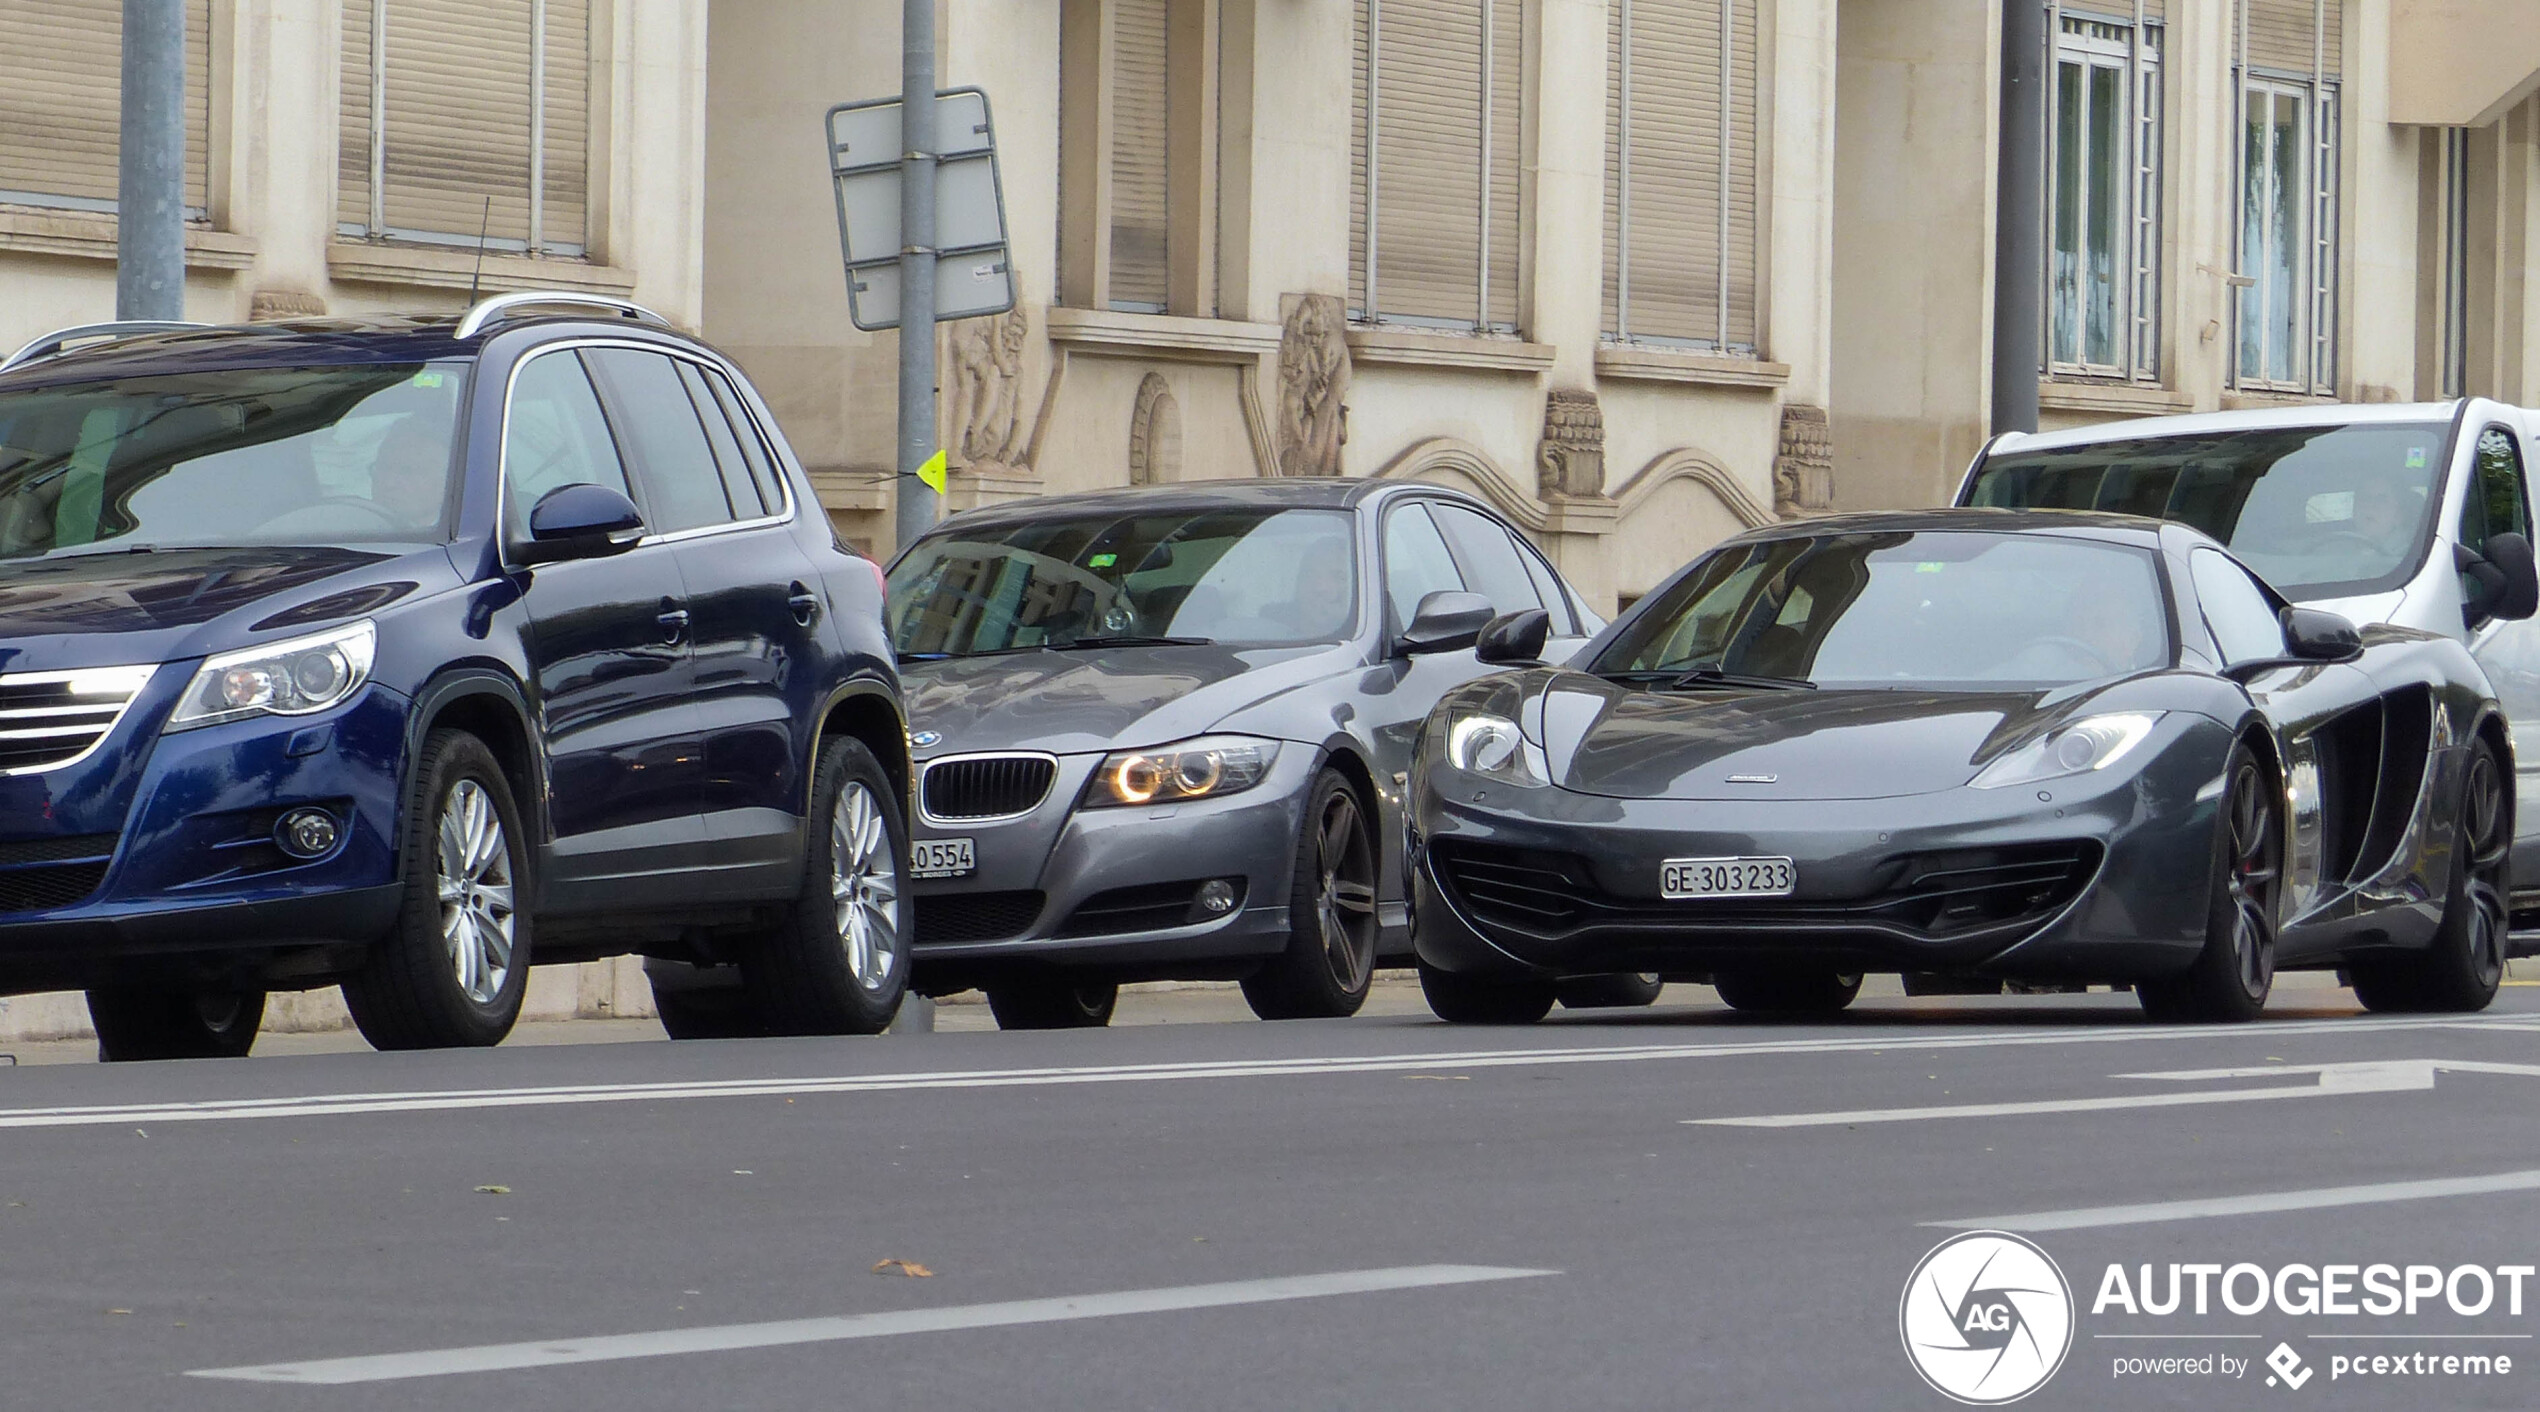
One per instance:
(1986, 1318)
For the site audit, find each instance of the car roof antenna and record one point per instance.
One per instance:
(483, 225)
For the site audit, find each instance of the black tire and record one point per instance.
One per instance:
(137, 1022)
(704, 1012)
(451, 975)
(2460, 971)
(837, 960)
(1331, 953)
(1485, 1000)
(1944, 983)
(1622, 990)
(2230, 979)
(1059, 1002)
(1797, 994)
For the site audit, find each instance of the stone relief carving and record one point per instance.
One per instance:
(1155, 434)
(267, 305)
(1313, 386)
(986, 415)
(1572, 458)
(1803, 475)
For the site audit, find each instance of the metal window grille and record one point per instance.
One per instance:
(2287, 139)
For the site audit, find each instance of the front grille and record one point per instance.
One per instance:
(976, 916)
(1923, 896)
(44, 873)
(987, 786)
(48, 719)
(1145, 908)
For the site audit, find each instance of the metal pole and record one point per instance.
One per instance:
(917, 500)
(2019, 244)
(150, 175)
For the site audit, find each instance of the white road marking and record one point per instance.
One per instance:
(1911, 1042)
(2256, 1204)
(439, 1362)
(2366, 1076)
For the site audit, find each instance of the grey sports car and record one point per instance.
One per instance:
(1162, 733)
(1971, 746)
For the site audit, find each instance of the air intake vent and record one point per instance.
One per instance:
(975, 787)
(39, 874)
(50, 719)
(976, 916)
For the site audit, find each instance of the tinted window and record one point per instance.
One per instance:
(2318, 511)
(2243, 620)
(1244, 577)
(340, 455)
(1872, 609)
(658, 426)
(1491, 560)
(1416, 563)
(753, 450)
(1548, 586)
(737, 485)
(555, 436)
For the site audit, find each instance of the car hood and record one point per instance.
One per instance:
(1604, 739)
(1122, 697)
(95, 609)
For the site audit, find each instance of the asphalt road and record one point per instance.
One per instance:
(1377, 1213)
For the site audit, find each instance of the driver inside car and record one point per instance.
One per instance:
(410, 473)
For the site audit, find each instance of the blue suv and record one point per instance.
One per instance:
(401, 653)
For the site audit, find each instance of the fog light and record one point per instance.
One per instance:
(306, 833)
(1217, 897)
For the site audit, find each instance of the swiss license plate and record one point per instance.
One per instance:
(1727, 877)
(941, 858)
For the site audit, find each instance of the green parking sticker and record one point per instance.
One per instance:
(2416, 458)
(1103, 561)
(1927, 567)
(427, 379)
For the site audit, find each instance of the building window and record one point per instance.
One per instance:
(1138, 155)
(2103, 151)
(461, 116)
(1681, 142)
(1435, 134)
(61, 103)
(2443, 262)
(2288, 159)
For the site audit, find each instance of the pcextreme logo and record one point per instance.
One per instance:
(1986, 1318)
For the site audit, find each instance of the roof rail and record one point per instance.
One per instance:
(488, 311)
(60, 339)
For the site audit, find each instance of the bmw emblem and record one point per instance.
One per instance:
(924, 739)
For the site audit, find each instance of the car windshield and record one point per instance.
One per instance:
(2319, 512)
(351, 454)
(1939, 609)
(1241, 577)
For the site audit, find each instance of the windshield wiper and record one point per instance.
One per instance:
(1128, 640)
(1699, 678)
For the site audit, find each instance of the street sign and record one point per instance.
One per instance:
(974, 274)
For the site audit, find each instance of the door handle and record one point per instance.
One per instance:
(806, 605)
(674, 624)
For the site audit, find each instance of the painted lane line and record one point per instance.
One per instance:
(484, 1358)
(2363, 1076)
(2255, 1204)
(345, 1104)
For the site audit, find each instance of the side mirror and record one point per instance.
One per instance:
(581, 522)
(1514, 637)
(2510, 588)
(2317, 635)
(1448, 621)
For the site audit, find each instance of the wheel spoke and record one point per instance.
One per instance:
(1354, 897)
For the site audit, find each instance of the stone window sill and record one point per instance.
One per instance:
(425, 267)
(2258, 399)
(1166, 336)
(2121, 399)
(1641, 363)
(90, 235)
(1397, 347)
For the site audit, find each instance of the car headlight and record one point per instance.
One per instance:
(285, 679)
(1192, 769)
(1491, 746)
(2083, 746)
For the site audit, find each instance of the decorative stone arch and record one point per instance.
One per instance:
(1155, 434)
(1672, 509)
(1687, 463)
(1444, 460)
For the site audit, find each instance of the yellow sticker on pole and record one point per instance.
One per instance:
(932, 473)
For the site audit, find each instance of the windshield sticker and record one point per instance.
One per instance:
(2416, 458)
(2330, 508)
(1928, 567)
(427, 379)
(1102, 561)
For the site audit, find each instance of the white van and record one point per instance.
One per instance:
(2417, 515)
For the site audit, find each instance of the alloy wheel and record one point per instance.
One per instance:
(2484, 837)
(864, 884)
(475, 867)
(1345, 898)
(2255, 872)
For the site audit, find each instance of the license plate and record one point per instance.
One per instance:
(1727, 877)
(941, 858)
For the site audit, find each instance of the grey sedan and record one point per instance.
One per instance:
(1163, 733)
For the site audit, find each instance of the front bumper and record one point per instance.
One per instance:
(2106, 879)
(155, 855)
(1110, 888)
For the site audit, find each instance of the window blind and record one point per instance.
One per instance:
(2281, 34)
(1680, 188)
(1436, 152)
(1140, 201)
(61, 102)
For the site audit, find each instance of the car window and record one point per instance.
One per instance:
(1416, 563)
(683, 489)
(2495, 503)
(1555, 594)
(753, 448)
(2242, 618)
(1492, 562)
(555, 436)
(737, 485)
